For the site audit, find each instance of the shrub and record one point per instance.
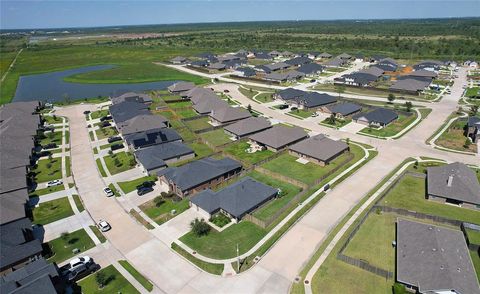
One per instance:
(220, 219)
(199, 227)
(399, 289)
(100, 279)
(158, 201)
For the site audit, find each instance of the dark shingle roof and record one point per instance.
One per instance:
(141, 123)
(455, 181)
(290, 93)
(181, 87)
(126, 110)
(12, 255)
(320, 147)
(433, 258)
(132, 97)
(152, 137)
(299, 60)
(310, 68)
(314, 99)
(236, 199)
(361, 78)
(379, 115)
(346, 108)
(247, 71)
(248, 126)
(279, 136)
(473, 121)
(12, 205)
(154, 157)
(410, 84)
(228, 114)
(207, 104)
(200, 171)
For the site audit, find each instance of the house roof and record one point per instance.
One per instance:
(335, 62)
(433, 258)
(181, 87)
(30, 272)
(423, 73)
(290, 93)
(360, 78)
(143, 122)
(346, 108)
(310, 68)
(178, 59)
(325, 55)
(228, 114)
(299, 60)
(126, 110)
(154, 156)
(236, 199)
(40, 285)
(373, 70)
(319, 147)
(14, 254)
(290, 75)
(12, 205)
(314, 99)
(197, 172)
(279, 136)
(197, 93)
(277, 66)
(132, 97)
(344, 56)
(152, 137)
(455, 181)
(380, 115)
(263, 55)
(199, 63)
(473, 121)
(217, 65)
(248, 126)
(247, 71)
(208, 103)
(14, 232)
(409, 84)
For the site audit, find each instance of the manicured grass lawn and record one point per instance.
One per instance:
(55, 137)
(169, 97)
(238, 150)
(114, 190)
(409, 194)
(393, 128)
(126, 162)
(46, 191)
(249, 93)
(116, 283)
(99, 234)
(302, 113)
(186, 113)
(287, 165)
(224, 244)
(78, 203)
(288, 192)
(100, 167)
(141, 220)
(168, 114)
(198, 124)
(201, 150)
(216, 137)
(62, 247)
(106, 132)
(107, 146)
(44, 173)
(216, 269)
(454, 138)
(99, 113)
(50, 119)
(186, 134)
(138, 276)
(337, 124)
(50, 211)
(92, 136)
(68, 170)
(476, 262)
(472, 92)
(130, 186)
(162, 213)
(264, 97)
(473, 236)
(177, 124)
(180, 104)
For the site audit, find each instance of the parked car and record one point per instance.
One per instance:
(103, 226)
(80, 260)
(116, 147)
(114, 139)
(283, 106)
(54, 183)
(86, 112)
(104, 118)
(144, 190)
(313, 80)
(108, 192)
(147, 184)
(294, 108)
(78, 268)
(49, 146)
(314, 114)
(105, 124)
(226, 91)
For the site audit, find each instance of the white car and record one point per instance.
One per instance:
(54, 183)
(103, 226)
(85, 260)
(108, 192)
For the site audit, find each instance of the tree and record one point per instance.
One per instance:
(331, 119)
(101, 279)
(117, 162)
(347, 141)
(391, 98)
(340, 89)
(467, 143)
(199, 227)
(408, 106)
(415, 165)
(110, 152)
(65, 236)
(249, 108)
(473, 110)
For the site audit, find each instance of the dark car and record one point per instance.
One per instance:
(294, 108)
(105, 124)
(116, 147)
(313, 81)
(146, 184)
(283, 106)
(114, 139)
(79, 272)
(144, 190)
(226, 91)
(108, 117)
(49, 146)
(86, 112)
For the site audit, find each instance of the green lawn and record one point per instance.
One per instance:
(61, 248)
(198, 124)
(223, 244)
(264, 97)
(99, 234)
(186, 113)
(116, 283)
(114, 190)
(180, 104)
(302, 113)
(68, 170)
(103, 133)
(217, 137)
(186, 134)
(107, 146)
(338, 123)
(472, 92)
(473, 236)
(50, 211)
(100, 167)
(45, 191)
(78, 203)
(55, 137)
(99, 113)
(50, 119)
(249, 93)
(287, 165)
(393, 128)
(476, 262)
(125, 159)
(454, 137)
(138, 276)
(288, 192)
(46, 170)
(168, 97)
(201, 150)
(409, 193)
(130, 186)
(238, 151)
(216, 269)
(162, 213)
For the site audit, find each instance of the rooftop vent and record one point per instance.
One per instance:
(450, 180)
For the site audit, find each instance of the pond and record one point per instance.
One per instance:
(50, 87)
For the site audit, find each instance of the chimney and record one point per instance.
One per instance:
(449, 181)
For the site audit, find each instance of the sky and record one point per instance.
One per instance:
(25, 14)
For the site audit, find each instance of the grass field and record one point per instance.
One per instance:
(238, 151)
(45, 191)
(116, 283)
(52, 119)
(55, 137)
(99, 113)
(62, 247)
(103, 133)
(393, 128)
(51, 211)
(130, 186)
(472, 92)
(216, 269)
(476, 262)
(46, 170)
(99, 234)
(126, 161)
(198, 124)
(201, 150)
(186, 134)
(138, 276)
(473, 236)
(454, 138)
(100, 167)
(78, 203)
(68, 167)
(224, 244)
(337, 124)
(161, 214)
(217, 137)
(302, 113)
(186, 113)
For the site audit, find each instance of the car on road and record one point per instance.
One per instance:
(54, 183)
(114, 139)
(144, 190)
(313, 80)
(49, 146)
(283, 106)
(103, 226)
(108, 191)
(226, 91)
(86, 112)
(294, 108)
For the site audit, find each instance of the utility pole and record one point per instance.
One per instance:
(238, 261)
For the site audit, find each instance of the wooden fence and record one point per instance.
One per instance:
(193, 117)
(365, 266)
(281, 177)
(255, 80)
(349, 158)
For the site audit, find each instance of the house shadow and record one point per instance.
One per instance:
(39, 232)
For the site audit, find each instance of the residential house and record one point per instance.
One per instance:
(276, 66)
(289, 76)
(180, 87)
(342, 110)
(313, 55)
(287, 54)
(380, 117)
(325, 55)
(196, 94)
(126, 110)
(151, 137)
(433, 259)
(288, 94)
(157, 157)
(247, 127)
(217, 66)
(387, 64)
(198, 175)
(473, 128)
(311, 69)
(410, 86)
(278, 137)
(356, 79)
(142, 123)
(423, 73)
(313, 100)
(298, 61)
(178, 60)
(453, 183)
(199, 63)
(132, 97)
(208, 104)
(345, 56)
(430, 65)
(245, 72)
(336, 62)
(318, 149)
(373, 70)
(263, 55)
(235, 200)
(227, 115)
(274, 53)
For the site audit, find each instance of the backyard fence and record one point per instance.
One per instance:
(365, 266)
(204, 70)
(255, 80)
(175, 100)
(419, 215)
(194, 117)
(281, 177)
(334, 170)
